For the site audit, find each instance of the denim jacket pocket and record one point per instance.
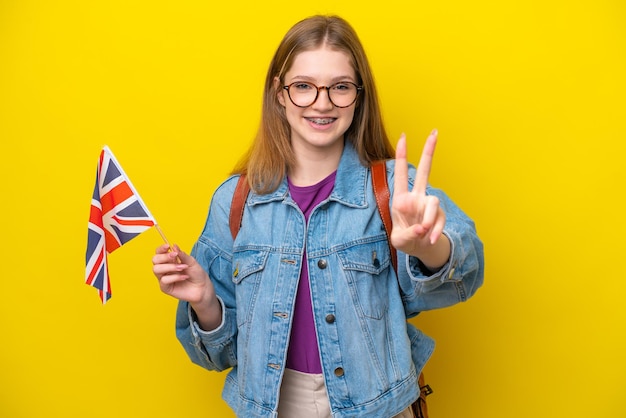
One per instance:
(248, 264)
(365, 265)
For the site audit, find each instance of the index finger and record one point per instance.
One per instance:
(401, 170)
(426, 160)
(163, 249)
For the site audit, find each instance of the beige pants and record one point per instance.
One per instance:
(303, 395)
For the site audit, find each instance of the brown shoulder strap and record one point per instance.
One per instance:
(236, 206)
(381, 191)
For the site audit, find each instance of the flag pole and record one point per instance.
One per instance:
(166, 241)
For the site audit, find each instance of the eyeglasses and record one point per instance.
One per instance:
(303, 94)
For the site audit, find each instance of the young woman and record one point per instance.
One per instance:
(304, 306)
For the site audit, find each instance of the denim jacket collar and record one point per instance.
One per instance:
(350, 183)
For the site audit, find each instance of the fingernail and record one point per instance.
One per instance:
(435, 132)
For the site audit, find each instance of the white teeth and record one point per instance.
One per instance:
(322, 121)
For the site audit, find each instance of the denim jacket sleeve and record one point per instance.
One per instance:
(462, 274)
(216, 349)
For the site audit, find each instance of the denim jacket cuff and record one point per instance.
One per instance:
(446, 273)
(216, 337)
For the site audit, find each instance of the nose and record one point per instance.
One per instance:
(323, 99)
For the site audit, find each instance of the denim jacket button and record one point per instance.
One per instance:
(376, 263)
(330, 318)
(339, 371)
(322, 264)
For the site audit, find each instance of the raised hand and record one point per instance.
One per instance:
(418, 220)
(181, 276)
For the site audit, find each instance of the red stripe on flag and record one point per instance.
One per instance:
(95, 216)
(103, 295)
(95, 269)
(133, 222)
(110, 241)
(115, 196)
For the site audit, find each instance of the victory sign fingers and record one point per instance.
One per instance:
(418, 218)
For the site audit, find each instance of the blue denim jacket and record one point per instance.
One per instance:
(370, 355)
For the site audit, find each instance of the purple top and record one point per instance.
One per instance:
(303, 353)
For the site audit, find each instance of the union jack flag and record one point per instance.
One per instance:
(117, 215)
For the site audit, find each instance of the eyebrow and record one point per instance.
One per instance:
(332, 80)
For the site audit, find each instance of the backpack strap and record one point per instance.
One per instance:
(381, 191)
(236, 206)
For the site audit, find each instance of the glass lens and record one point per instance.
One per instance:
(302, 94)
(342, 94)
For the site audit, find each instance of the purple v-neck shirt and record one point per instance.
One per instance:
(303, 353)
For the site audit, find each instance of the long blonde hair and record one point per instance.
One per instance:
(271, 155)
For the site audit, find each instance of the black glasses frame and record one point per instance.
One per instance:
(327, 88)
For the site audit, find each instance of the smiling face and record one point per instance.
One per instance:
(320, 126)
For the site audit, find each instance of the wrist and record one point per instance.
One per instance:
(208, 313)
(436, 255)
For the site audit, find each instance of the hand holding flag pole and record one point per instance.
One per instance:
(117, 215)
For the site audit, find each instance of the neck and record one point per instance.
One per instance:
(314, 165)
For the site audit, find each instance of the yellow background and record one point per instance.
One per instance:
(529, 99)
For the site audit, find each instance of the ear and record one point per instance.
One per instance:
(279, 91)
